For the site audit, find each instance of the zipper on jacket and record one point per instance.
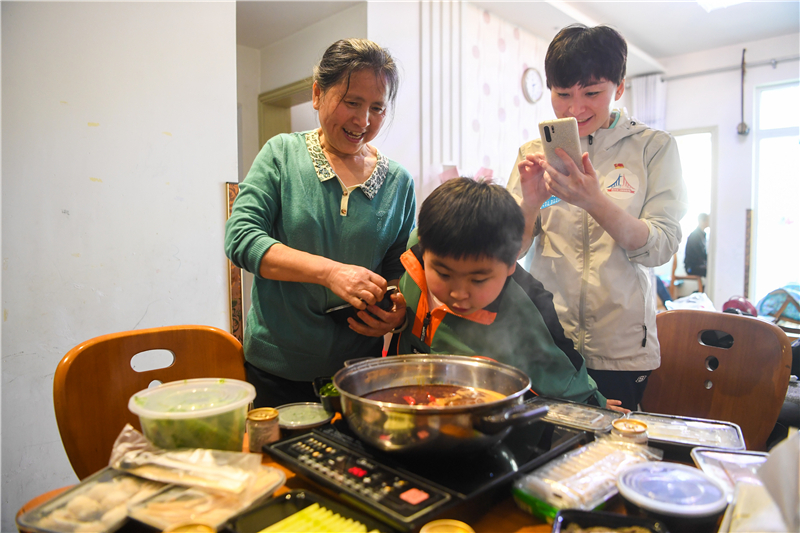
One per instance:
(585, 275)
(644, 339)
(584, 283)
(425, 323)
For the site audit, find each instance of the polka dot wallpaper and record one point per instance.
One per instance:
(492, 103)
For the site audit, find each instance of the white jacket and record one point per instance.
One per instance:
(603, 294)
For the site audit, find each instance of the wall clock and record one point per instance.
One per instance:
(532, 85)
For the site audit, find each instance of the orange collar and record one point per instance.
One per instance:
(412, 261)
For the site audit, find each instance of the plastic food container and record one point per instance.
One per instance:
(578, 415)
(446, 526)
(730, 468)
(177, 505)
(599, 519)
(584, 478)
(681, 496)
(302, 416)
(627, 430)
(677, 435)
(195, 413)
(97, 504)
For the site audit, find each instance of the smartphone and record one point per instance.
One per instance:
(561, 133)
(341, 313)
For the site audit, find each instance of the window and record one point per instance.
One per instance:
(696, 149)
(775, 248)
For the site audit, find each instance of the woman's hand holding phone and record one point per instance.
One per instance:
(579, 187)
(379, 319)
(568, 174)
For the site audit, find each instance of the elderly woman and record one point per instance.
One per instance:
(321, 220)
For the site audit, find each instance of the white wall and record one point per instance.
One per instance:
(248, 87)
(714, 101)
(304, 117)
(293, 58)
(119, 130)
(396, 26)
(497, 119)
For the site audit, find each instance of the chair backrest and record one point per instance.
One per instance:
(673, 287)
(95, 380)
(745, 383)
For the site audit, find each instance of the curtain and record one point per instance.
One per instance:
(649, 100)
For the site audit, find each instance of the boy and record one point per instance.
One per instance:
(465, 295)
(619, 214)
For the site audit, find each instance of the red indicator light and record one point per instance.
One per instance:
(356, 471)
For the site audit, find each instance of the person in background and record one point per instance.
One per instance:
(321, 220)
(465, 294)
(619, 213)
(695, 256)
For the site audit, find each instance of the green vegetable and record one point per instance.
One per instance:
(219, 432)
(329, 389)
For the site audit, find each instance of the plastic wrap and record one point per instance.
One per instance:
(581, 479)
(578, 415)
(179, 505)
(691, 432)
(729, 467)
(97, 504)
(213, 470)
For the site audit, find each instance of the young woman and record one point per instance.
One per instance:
(619, 214)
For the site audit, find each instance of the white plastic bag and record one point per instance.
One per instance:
(696, 300)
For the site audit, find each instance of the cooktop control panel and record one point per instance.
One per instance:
(378, 489)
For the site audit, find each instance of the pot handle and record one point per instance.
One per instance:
(515, 416)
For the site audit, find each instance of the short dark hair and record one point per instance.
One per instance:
(583, 55)
(468, 218)
(346, 56)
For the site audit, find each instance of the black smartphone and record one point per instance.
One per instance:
(341, 313)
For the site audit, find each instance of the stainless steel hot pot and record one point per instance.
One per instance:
(420, 428)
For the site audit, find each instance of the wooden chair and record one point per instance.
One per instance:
(745, 384)
(673, 287)
(95, 380)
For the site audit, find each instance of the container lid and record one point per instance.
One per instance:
(302, 415)
(446, 526)
(626, 426)
(578, 416)
(262, 413)
(672, 489)
(192, 398)
(687, 431)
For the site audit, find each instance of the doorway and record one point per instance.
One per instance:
(282, 110)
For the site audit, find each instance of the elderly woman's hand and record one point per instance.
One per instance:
(378, 322)
(356, 285)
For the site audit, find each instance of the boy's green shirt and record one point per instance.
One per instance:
(520, 328)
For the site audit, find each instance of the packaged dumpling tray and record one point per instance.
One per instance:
(584, 478)
(98, 504)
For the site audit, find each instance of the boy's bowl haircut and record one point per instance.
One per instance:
(468, 218)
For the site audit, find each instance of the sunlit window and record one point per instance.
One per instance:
(696, 151)
(775, 259)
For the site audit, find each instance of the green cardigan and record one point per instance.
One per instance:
(291, 195)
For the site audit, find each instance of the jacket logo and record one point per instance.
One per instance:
(623, 183)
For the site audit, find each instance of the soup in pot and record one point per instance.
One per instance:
(434, 395)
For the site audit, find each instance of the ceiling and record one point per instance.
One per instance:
(653, 29)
